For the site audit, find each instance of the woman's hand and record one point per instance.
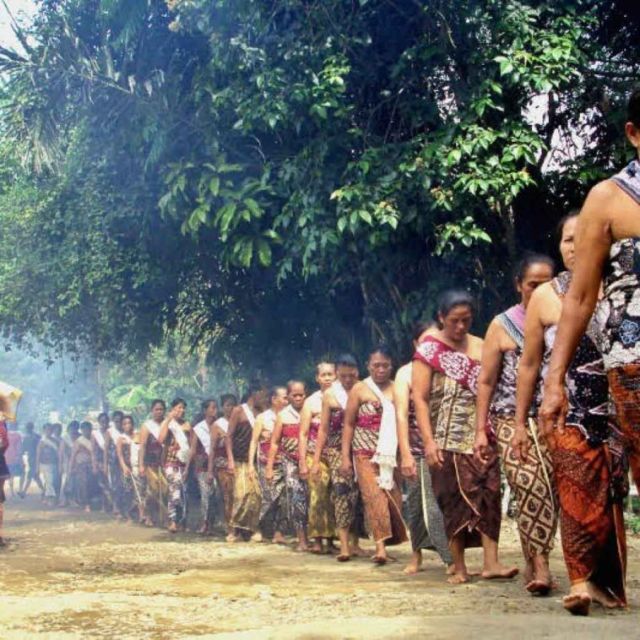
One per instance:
(554, 408)
(408, 466)
(481, 447)
(433, 455)
(520, 442)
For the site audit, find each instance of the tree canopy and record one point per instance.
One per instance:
(273, 180)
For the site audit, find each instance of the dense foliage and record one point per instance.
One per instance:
(273, 180)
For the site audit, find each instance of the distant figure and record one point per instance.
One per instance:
(81, 468)
(13, 457)
(47, 464)
(151, 465)
(322, 526)
(29, 448)
(218, 468)
(4, 470)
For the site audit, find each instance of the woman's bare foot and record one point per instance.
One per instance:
(203, 530)
(231, 537)
(415, 564)
(577, 604)
(173, 527)
(302, 547)
(87, 509)
(458, 577)
(498, 572)
(316, 547)
(256, 537)
(278, 538)
(450, 569)
(602, 598)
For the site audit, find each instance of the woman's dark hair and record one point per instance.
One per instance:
(274, 391)
(178, 401)
(383, 350)
(633, 107)
(346, 360)
(205, 404)
(103, 415)
(85, 425)
(419, 328)
(158, 401)
(291, 383)
(454, 298)
(573, 213)
(129, 417)
(255, 386)
(528, 260)
(228, 396)
(117, 414)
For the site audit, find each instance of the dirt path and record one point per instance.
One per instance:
(70, 575)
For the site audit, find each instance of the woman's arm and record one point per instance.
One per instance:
(214, 433)
(323, 430)
(402, 396)
(593, 244)
(273, 448)
(305, 425)
(123, 465)
(142, 449)
(107, 444)
(348, 428)
(421, 385)
(233, 421)
(255, 439)
(163, 434)
(529, 367)
(491, 366)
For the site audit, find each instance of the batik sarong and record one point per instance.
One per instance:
(225, 481)
(207, 493)
(624, 383)
(84, 485)
(321, 522)
(273, 510)
(343, 492)
(591, 519)
(468, 493)
(425, 520)
(247, 499)
(297, 494)
(383, 507)
(533, 486)
(156, 489)
(176, 493)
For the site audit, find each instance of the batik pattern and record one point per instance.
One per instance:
(383, 508)
(533, 485)
(591, 521)
(321, 521)
(468, 493)
(297, 495)
(247, 499)
(343, 492)
(273, 510)
(176, 498)
(207, 493)
(367, 429)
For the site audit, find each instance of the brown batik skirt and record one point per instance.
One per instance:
(468, 493)
(383, 509)
(591, 519)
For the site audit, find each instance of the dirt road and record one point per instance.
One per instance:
(69, 575)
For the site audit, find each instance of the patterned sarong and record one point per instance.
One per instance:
(533, 486)
(383, 507)
(468, 493)
(297, 494)
(321, 520)
(225, 481)
(247, 499)
(425, 520)
(273, 512)
(155, 495)
(591, 519)
(624, 383)
(343, 492)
